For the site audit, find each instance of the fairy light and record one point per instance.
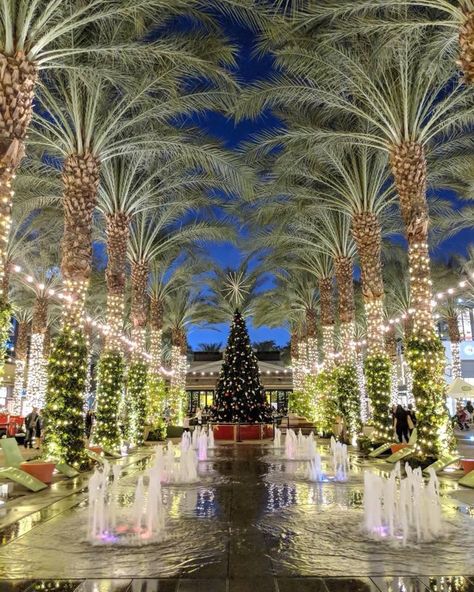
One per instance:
(37, 371)
(364, 401)
(5, 223)
(17, 403)
(455, 360)
(312, 355)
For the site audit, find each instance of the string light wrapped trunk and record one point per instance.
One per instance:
(312, 341)
(454, 339)
(424, 350)
(37, 363)
(67, 367)
(326, 301)
(19, 404)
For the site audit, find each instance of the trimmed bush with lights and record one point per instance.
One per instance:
(64, 415)
(326, 403)
(426, 358)
(377, 384)
(156, 401)
(303, 402)
(110, 384)
(348, 397)
(136, 402)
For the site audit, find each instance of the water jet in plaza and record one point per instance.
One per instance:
(405, 510)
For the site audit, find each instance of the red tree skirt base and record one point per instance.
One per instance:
(241, 432)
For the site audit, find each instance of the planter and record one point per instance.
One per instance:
(396, 447)
(242, 432)
(41, 470)
(96, 449)
(467, 465)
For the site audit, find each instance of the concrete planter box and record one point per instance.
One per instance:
(41, 470)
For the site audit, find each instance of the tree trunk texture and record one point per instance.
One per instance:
(139, 306)
(294, 345)
(466, 47)
(156, 333)
(40, 315)
(18, 78)
(118, 230)
(455, 339)
(345, 287)
(367, 233)
(408, 164)
(21, 345)
(81, 181)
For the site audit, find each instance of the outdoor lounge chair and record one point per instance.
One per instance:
(94, 456)
(13, 458)
(467, 480)
(381, 449)
(12, 471)
(442, 463)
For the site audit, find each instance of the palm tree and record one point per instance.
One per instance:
(211, 347)
(23, 319)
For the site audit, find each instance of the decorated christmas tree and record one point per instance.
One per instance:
(239, 394)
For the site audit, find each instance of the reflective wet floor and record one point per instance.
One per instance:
(252, 523)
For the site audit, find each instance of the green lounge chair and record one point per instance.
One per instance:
(381, 449)
(12, 471)
(14, 459)
(94, 456)
(442, 463)
(467, 480)
(405, 452)
(111, 453)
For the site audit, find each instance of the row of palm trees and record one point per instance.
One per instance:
(367, 124)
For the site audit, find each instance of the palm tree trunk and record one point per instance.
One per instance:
(139, 307)
(346, 307)
(327, 319)
(37, 364)
(294, 341)
(367, 233)
(21, 350)
(18, 77)
(156, 334)
(408, 163)
(391, 348)
(455, 340)
(81, 180)
(311, 332)
(117, 238)
(466, 47)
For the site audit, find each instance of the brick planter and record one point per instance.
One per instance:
(41, 470)
(396, 447)
(242, 432)
(467, 465)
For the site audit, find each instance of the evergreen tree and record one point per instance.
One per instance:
(239, 394)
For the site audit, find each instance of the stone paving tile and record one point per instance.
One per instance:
(154, 586)
(300, 585)
(211, 585)
(399, 584)
(14, 585)
(251, 585)
(105, 586)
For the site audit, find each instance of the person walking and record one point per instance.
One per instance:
(199, 416)
(39, 430)
(469, 407)
(186, 423)
(89, 422)
(30, 427)
(411, 418)
(401, 424)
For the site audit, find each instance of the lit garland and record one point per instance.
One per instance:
(377, 380)
(67, 370)
(18, 385)
(348, 397)
(37, 371)
(364, 401)
(176, 393)
(456, 370)
(426, 358)
(312, 355)
(110, 381)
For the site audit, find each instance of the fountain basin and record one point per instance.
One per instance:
(243, 431)
(41, 470)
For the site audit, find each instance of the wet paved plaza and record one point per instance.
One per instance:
(252, 523)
